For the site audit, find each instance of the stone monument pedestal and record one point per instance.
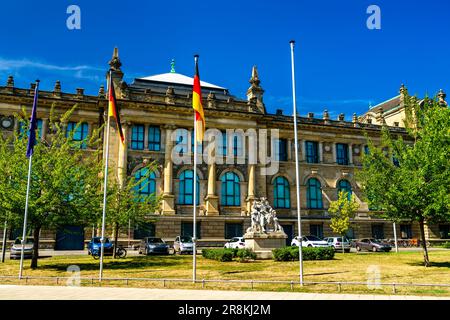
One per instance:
(263, 243)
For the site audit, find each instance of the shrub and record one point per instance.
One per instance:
(308, 253)
(221, 255)
(244, 255)
(446, 245)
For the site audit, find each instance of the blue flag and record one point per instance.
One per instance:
(33, 123)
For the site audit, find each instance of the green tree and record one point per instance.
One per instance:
(409, 178)
(341, 211)
(126, 204)
(64, 179)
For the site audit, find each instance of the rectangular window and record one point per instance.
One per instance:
(342, 154)
(281, 154)
(378, 231)
(199, 145)
(182, 138)
(350, 234)
(79, 132)
(405, 231)
(137, 137)
(312, 152)
(154, 138)
(238, 150)
(444, 231)
(22, 129)
(187, 229)
(144, 230)
(233, 230)
(316, 230)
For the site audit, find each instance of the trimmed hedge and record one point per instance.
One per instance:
(308, 253)
(245, 255)
(446, 245)
(224, 255)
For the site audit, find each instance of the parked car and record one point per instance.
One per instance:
(235, 243)
(372, 245)
(309, 241)
(183, 244)
(94, 246)
(336, 243)
(153, 245)
(16, 249)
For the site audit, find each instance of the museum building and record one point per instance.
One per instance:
(157, 117)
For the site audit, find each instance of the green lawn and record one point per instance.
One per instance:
(403, 267)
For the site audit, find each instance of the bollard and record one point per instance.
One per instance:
(56, 280)
(339, 287)
(394, 291)
(126, 281)
(252, 284)
(164, 283)
(292, 285)
(203, 283)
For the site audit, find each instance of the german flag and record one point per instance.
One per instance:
(113, 110)
(197, 105)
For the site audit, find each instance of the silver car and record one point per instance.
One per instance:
(336, 243)
(153, 245)
(16, 248)
(183, 244)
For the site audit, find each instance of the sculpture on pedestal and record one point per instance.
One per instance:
(263, 218)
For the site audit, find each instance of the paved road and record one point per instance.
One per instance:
(24, 292)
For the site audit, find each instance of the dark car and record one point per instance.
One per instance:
(16, 249)
(153, 245)
(94, 246)
(372, 245)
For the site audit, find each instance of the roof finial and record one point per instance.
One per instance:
(115, 63)
(172, 66)
(254, 80)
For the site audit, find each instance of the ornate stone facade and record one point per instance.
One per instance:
(164, 102)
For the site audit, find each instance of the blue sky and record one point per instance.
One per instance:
(341, 65)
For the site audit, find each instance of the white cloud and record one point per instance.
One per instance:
(12, 64)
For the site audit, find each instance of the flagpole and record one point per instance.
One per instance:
(194, 214)
(30, 147)
(297, 170)
(4, 241)
(105, 185)
(24, 231)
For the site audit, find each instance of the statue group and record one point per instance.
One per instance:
(263, 218)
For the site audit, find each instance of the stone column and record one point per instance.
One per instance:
(320, 152)
(289, 149)
(168, 197)
(251, 187)
(302, 147)
(145, 137)
(350, 154)
(333, 150)
(212, 200)
(123, 154)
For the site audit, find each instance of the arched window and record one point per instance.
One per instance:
(281, 193)
(314, 194)
(231, 190)
(186, 192)
(146, 183)
(345, 186)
